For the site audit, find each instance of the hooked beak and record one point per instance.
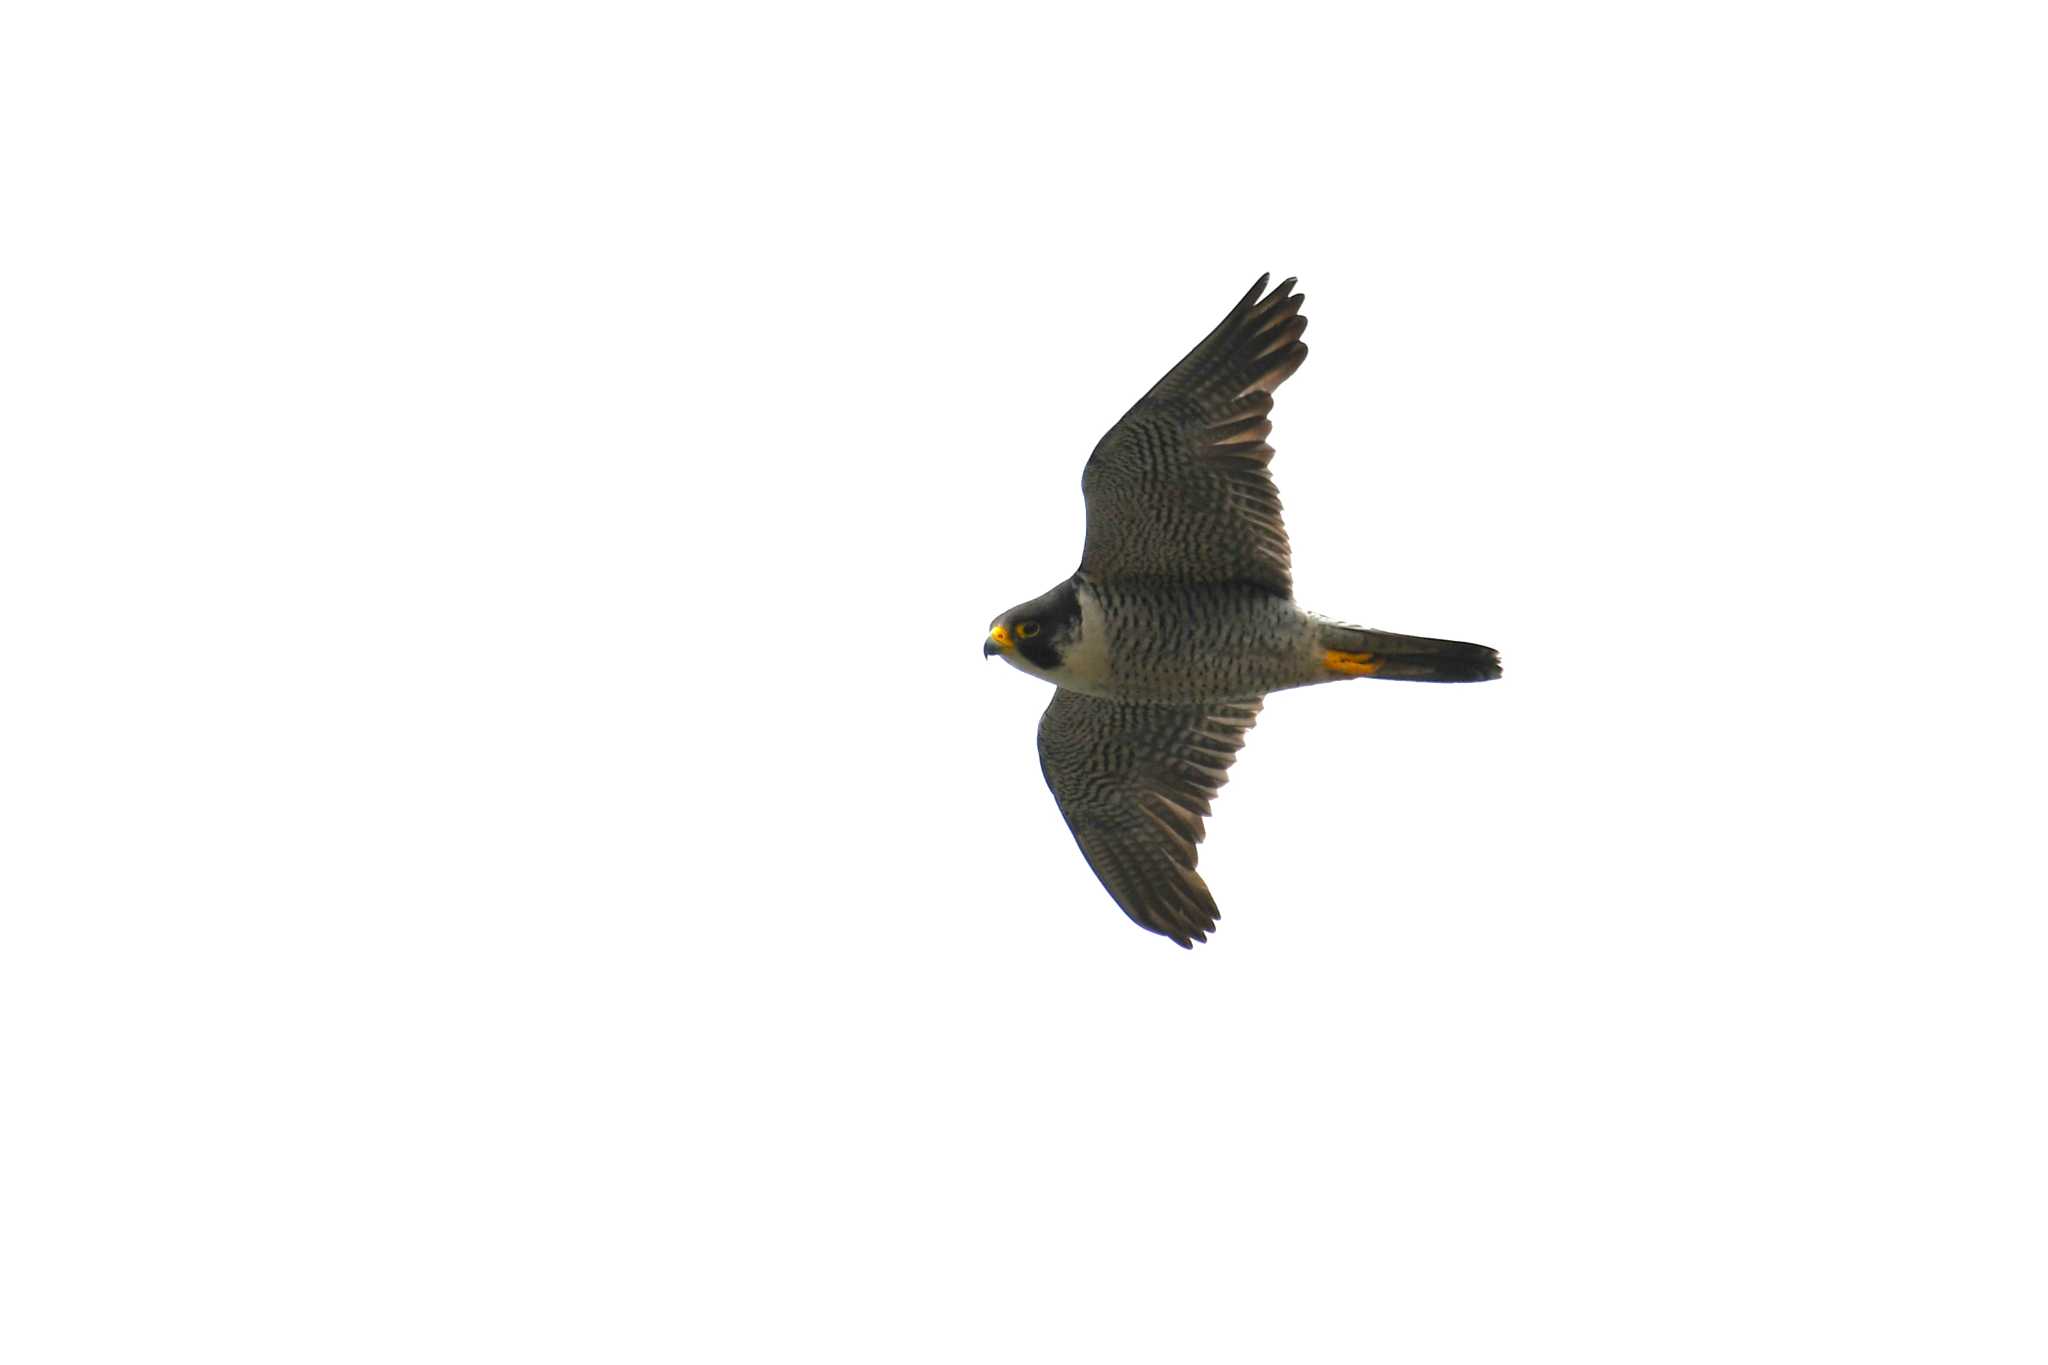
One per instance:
(997, 642)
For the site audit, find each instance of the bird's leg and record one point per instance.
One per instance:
(1346, 664)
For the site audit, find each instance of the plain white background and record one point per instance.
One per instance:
(512, 851)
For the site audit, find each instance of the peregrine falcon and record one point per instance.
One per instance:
(1182, 618)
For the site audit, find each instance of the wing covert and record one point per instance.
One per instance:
(1134, 782)
(1179, 487)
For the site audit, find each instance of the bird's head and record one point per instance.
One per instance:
(1036, 635)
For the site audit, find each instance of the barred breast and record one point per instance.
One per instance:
(1158, 641)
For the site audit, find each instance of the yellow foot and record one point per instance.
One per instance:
(1350, 665)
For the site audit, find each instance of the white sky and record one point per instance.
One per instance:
(513, 852)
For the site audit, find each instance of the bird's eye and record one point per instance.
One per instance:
(1026, 629)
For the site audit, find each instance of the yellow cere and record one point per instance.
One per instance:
(1001, 635)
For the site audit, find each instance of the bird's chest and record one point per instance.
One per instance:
(1176, 646)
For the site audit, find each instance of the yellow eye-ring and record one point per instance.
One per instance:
(1026, 629)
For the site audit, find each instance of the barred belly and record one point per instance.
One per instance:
(1179, 642)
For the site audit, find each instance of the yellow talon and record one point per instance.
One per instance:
(1350, 665)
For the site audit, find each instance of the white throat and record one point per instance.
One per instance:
(1084, 658)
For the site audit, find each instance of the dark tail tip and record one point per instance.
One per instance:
(1452, 661)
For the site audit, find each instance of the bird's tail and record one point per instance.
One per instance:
(1354, 652)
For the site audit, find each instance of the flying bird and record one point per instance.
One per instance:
(1181, 618)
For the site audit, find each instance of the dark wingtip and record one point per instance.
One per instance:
(1251, 298)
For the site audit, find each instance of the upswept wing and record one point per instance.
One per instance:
(1179, 488)
(1134, 783)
